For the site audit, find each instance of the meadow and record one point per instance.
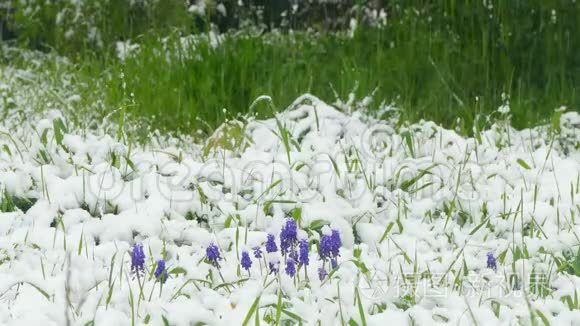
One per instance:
(330, 163)
(450, 62)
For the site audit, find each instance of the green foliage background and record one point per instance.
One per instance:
(444, 60)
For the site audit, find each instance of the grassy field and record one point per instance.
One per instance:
(446, 61)
(124, 195)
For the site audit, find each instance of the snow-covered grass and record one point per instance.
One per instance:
(434, 227)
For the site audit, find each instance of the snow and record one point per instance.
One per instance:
(418, 208)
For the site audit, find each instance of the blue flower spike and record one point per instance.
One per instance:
(288, 236)
(137, 259)
(273, 267)
(212, 253)
(160, 272)
(271, 244)
(290, 267)
(246, 261)
(303, 252)
(257, 252)
(330, 248)
(491, 261)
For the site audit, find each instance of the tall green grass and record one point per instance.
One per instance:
(445, 60)
(72, 27)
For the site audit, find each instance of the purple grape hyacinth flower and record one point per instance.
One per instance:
(271, 244)
(330, 245)
(290, 267)
(273, 267)
(257, 252)
(336, 242)
(333, 263)
(246, 261)
(303, 252)
(212, 253)
(160, 272)
(137, 259)
(325, 247)
(491, 261)
(322, 274)
(288, 236)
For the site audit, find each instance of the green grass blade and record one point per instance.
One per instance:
(251, 311)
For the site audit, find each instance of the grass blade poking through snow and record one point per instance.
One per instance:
(253, 308)
(361, 310)
(279, 307)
